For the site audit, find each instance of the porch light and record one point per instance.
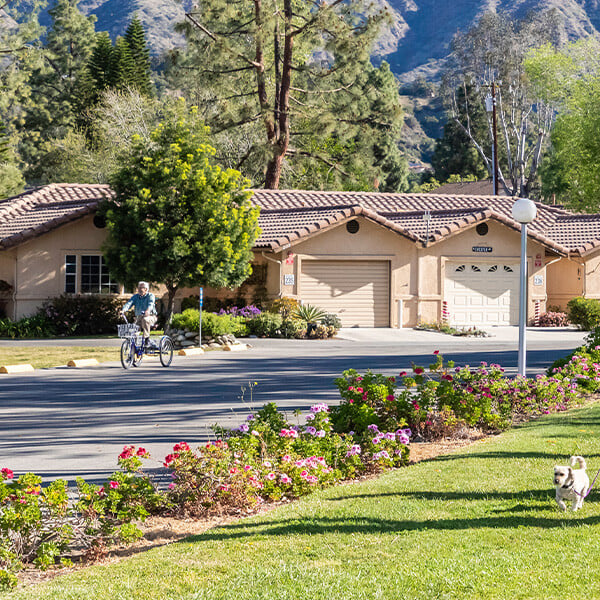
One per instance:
(524, 211)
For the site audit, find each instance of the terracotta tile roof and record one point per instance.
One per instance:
(449, 214)
(484, 187)
(34, 212)
(291, 215)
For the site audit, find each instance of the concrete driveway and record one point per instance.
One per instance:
(64, 422)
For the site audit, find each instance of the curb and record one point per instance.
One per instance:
(235, 347)
(190, 351)
(83, 362)
(23, 368)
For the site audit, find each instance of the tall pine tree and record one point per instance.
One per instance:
(135, 36)
(59, 84)
(275, 77)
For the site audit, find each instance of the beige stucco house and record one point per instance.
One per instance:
(377, 260)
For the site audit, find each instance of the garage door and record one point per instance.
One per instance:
(357, 291)
(482, 293)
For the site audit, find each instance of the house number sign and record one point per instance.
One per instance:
(483, 249)
(288, 279)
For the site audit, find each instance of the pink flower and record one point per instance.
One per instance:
(114, 485)
(142, 452)
(271, 476)
(100, 492)
(7, 473)
(390, 397)
(127, 452)
(247, 468)
(171, 486)
(286, 458)
(224, 488)
(359, 390)
(304, 474)
(285, 479)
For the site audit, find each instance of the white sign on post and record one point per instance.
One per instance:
(289, 279)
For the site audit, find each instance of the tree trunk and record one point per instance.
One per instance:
(171, 291)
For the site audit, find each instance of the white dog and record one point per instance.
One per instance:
(571, 484)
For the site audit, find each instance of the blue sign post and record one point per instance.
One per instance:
(201, 297)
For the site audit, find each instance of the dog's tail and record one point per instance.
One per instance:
(580, 460)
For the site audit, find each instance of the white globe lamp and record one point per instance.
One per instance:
(524, 211)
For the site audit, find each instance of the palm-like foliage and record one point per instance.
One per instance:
(309, 313)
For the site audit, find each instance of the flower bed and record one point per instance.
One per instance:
(444, 399)
(265, 459)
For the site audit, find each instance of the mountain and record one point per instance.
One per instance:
(415, 45)
(419, 41)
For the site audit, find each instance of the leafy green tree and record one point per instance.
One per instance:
(178, 218)
(569, 79)
(573, 170)
(281, 79)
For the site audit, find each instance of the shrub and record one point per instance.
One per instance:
(284, 306)
(584, 312)
(434, 404)
(38, 326)
(82, 315)
(332, 320)
(40, 524)
(267, 458)
(250, 311)
(266, 325)
(553, 319)
(212, 324)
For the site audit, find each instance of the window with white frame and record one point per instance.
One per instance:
(91, 272)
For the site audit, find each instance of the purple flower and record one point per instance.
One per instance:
(373, 428)
(320, 434)
(243, 428)
(311, 430)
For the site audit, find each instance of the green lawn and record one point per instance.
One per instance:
(42, 357)
(481, 523)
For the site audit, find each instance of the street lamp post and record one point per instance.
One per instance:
(524, 211)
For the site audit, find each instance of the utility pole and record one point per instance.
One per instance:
(490, 105)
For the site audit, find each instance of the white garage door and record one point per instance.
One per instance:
(357, 291)
(482, 293)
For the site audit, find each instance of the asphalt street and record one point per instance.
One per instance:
(68, 422)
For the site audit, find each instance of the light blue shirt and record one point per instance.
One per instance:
(141, 304)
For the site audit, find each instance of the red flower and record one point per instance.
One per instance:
(182, 447)
(7, 473)
(436, 352)
(114, 485)
(359, 390)
(127, 452)
(141, 452)
(351, 401)
(403, 374)
(390, 397)
(418, 370)
(169, 459)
